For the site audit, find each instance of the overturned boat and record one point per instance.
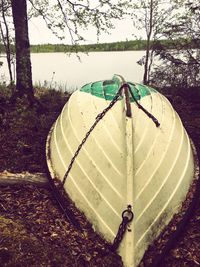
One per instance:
(121, 152)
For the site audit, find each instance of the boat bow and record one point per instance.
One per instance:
(127, 160)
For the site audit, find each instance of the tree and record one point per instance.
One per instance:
(59, 15)
(150, 16)
(6, 36)
(180, 65)
(24, 84)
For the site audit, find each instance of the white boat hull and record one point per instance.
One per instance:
(125, 161)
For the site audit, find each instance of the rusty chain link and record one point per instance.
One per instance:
(143, 109)
(98, 118)
(127, 217)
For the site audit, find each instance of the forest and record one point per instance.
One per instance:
(132, 45)
(129, 45)
(115, 46)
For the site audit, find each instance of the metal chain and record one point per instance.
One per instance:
(143, 109)
(127, 217)
(98, 118)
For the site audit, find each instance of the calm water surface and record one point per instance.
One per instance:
(68, 72)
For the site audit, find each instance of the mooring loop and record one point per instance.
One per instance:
(128, 214)
(127, 217)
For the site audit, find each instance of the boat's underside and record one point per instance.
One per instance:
(99, 182)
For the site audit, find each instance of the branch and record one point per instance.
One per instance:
(194, 60)
(25, 177)
(46, 19)
(66, 20)
(74, 4)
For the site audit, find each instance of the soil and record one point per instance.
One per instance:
(33, 230)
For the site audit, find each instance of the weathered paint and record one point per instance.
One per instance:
(159, 160)
(108, 89)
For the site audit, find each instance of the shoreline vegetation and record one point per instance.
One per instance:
(129, 45)
(134, 45)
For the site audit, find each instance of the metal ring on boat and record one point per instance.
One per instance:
(128, 214)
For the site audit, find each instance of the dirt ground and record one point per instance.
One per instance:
(33, 230)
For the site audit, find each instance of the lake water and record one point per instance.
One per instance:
(68, 72)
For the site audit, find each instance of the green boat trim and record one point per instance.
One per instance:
(108, 89)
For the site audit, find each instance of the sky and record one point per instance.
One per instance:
(40, 34)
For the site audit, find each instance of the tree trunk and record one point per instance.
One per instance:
(146, 63)
(149, 33)
(6, 39)
(24, 84)
(6, 43)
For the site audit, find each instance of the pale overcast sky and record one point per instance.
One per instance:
(40, 34)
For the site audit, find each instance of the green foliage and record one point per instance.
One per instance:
(115, 46)
(150, 16)
(70, 19)
(134, 45)
(2, 49)
(181, 66)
